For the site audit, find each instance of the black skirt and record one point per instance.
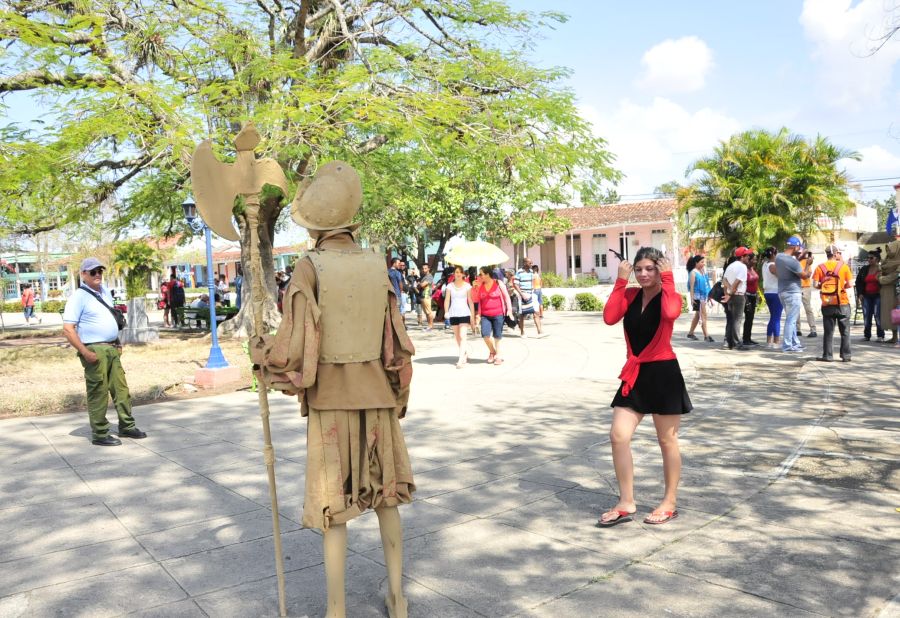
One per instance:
(659, 389)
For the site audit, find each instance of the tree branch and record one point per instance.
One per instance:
(29, 80)
(371, 144)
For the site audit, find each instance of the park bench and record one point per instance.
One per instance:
(200, 317)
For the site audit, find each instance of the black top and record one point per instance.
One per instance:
(640, 326)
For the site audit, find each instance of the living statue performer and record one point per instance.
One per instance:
(216, 186)
(890, 270)
(343, 350)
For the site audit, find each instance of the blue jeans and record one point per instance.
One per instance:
(872, 307)
(492, 325)
(773, 328)
(793, 302)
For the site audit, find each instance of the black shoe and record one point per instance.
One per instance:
(799, 333)
(751, 342)
(709, 340)
(822, 359)
(811, 335)
(106, 441)
(741, 348)
(692, 336)
(845, 360)
(134, 432)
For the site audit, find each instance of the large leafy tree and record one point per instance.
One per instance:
(759, 187)
(432, 99)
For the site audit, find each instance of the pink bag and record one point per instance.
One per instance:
(895, 316)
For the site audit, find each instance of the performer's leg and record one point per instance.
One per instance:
(392, 541)
(335, 544)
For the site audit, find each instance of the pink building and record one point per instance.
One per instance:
(597, 229)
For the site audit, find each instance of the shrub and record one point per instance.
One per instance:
(12, 306)
(53, 306)
(685, 304)
(551, 280)
(557, 301)
(585, 301)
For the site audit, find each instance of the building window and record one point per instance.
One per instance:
(623, 244)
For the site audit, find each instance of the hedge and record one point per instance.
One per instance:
(585, 301)
(557, 301)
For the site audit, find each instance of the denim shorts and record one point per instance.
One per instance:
(29, 312)
(492, 325)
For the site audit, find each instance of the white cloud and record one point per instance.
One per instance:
(676, 65)
(655, 143)
(877, 162)
(844, 36)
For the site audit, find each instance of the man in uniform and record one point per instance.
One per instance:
(91, 328)
(342, 348)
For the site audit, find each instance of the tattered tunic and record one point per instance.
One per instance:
(356, 453)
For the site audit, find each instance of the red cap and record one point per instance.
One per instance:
(742, 251)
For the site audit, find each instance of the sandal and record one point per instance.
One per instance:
(620, 518)
(666, 517)
(498, 361)
(490, 359)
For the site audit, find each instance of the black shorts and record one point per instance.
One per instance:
(464, 320)
(696, 304)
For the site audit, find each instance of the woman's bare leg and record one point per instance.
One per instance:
(667, 435)
(703, 316)
(694, 321)
(625, 421)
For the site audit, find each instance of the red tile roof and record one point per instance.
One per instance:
(605, 215)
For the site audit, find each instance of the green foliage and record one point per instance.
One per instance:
(758, 188)
(667, 189)
(53, 306)
(557, 301)
(685, 303)
(585, 301)
(13, 306)
(552, 280)
(136, 259)
(882, 208)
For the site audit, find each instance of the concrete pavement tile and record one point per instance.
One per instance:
(240, 563)
(219, 532)
(639, 591)
(55, 526)
(215, 457)
(18, 487)
(149, 470)
(189, 500)
(418, 518)
(863, 516)
(32, 458)
(163, 438)
(78, 451)
(109, 594)
(179, 609)
(252, 482)
(571, 517)
(847, 442)
(77, 563)
(449, 478)
(306, 596)
(574, 471)
(807, 570)
(848, 472)
(497, 570)
(494, 497)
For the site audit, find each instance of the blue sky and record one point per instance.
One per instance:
(663, 82)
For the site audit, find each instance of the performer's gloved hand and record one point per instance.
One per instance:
(258, 347)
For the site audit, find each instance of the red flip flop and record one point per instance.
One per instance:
(620, 518)
(667, 516)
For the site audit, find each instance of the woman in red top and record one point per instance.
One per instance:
(869, 290)
(493, 305)
(28, 303)
(651, 379)
(752, 297)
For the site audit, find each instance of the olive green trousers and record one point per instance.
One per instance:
(104, 378)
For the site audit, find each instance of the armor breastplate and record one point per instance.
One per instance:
(352, 296)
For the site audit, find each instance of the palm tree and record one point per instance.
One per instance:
(760, 187)
(137, 260)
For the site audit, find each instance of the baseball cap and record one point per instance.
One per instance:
(794, 241)
(742, 251)
(90, 264)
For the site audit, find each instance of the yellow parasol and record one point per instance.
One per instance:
(476, 253)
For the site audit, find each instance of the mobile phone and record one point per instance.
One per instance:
(617, 254)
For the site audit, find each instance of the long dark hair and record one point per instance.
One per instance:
(693, 261)
(648, 253)
(770, 253)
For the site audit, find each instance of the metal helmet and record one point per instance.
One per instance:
(330, 199)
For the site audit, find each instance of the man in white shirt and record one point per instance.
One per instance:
(734, 282)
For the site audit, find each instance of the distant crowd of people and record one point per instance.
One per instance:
(484, 300)
(785, 281)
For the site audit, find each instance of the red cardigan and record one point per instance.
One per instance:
(660, 347)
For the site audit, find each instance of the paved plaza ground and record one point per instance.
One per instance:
(788, 502)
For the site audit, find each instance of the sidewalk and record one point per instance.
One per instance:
(787, 505)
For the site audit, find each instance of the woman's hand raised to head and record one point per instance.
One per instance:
(664, 265)
(625, 269)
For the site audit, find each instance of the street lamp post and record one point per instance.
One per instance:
(216, 359)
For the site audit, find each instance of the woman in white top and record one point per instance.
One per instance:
(773, 302)
(460, 310)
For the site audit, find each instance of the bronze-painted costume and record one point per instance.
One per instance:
(343, 350)
(890, 267)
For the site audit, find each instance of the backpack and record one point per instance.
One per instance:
(830, 285)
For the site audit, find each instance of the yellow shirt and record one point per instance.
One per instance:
(804, 282)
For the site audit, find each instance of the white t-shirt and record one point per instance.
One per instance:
(736, 271)
(459, 301)
(769, 279)
(94, 323)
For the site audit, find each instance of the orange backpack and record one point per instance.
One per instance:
(830, 285)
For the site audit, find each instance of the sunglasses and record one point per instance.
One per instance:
(96, 271)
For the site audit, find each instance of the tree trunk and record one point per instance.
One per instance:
(241, 326)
